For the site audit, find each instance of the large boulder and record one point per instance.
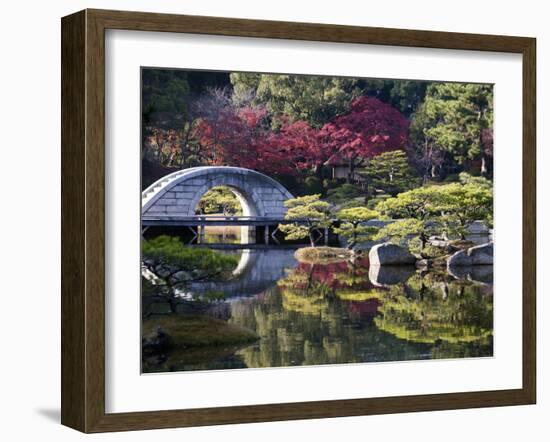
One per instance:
(478, 255)
(388, 254)
(477, 228)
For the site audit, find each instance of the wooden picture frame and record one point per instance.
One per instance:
(83, 219)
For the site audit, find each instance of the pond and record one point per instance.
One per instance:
(292, 314)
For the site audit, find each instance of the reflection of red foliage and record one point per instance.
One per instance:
(339, 274)
(363, 309)
(262, 296)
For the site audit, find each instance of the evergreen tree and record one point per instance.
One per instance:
(353, 226)
(458, 119)
(306, 215)
(313, 99)
(390, 172)
(165, 95)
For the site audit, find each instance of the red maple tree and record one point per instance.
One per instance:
(301, 145)
(242, 137)
(370, 128)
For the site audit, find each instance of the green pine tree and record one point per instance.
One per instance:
(306, 214)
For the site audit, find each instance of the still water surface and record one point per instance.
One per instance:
(336, 313)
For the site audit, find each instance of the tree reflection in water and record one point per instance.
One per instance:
(338, 313)
(434, 308)
(330, 314)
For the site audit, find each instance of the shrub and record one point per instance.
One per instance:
(343, 193)
(313, 185)
(219, 199)
(371, 203)
(466, 178)
(403, 231)
(451, 178)
(165, 257)
(330, 183)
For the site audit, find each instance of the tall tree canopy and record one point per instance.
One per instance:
(307, 147)
(404, 95)
(165, 94)
(458, 118)
(241, 136)
(313, 99)
(294, 126)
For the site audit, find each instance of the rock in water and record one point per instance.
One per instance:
(477, 274)
(386, 276)
(478, 255)
(157, 342)
(390, 254)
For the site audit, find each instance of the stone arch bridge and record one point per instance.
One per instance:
(177, 194)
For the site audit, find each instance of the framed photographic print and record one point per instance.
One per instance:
(267, 221)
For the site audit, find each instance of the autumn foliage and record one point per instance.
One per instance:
(243, 136)
(370, 128)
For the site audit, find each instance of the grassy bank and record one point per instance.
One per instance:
(197, 331)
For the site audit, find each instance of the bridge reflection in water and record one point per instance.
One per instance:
(258, 270)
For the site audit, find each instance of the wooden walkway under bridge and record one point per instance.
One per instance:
(198, 223)
(215, 220)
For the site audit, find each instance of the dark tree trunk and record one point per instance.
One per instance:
(318, 170)
(351, 171)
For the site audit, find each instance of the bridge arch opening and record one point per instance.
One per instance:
(225, 201)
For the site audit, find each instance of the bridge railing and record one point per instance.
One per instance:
(219, 220)
(215, 217)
